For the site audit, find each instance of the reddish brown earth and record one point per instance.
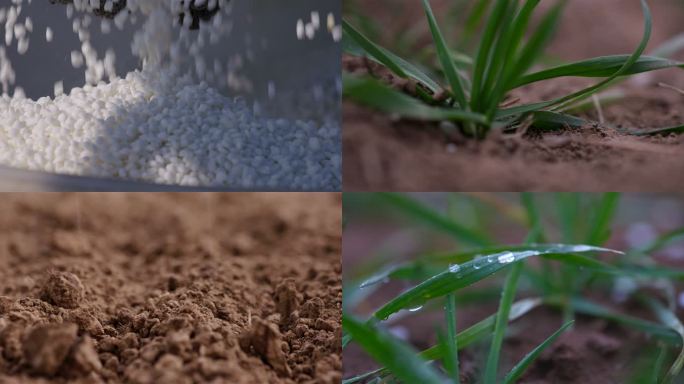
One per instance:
(170, 288)
(382, 153)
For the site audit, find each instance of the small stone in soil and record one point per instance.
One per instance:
(63, 289)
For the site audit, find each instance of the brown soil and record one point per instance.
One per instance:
(382, 153)
(172, 288)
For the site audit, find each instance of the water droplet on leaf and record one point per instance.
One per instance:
(506, 257)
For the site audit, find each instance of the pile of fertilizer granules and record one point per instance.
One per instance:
(164, 123)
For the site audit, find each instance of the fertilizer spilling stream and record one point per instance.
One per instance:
(162, 123)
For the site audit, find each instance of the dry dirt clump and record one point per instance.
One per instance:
(63, 290)
(151, 288)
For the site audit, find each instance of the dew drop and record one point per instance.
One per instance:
(414, 309)
(479, 262)
(453, 268)
(506, 258)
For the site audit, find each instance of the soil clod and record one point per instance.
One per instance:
(63, 289)
(47, 347)
(286, 300)
(265, 340)
(167, 301)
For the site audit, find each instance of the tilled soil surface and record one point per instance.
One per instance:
(382, 153)
(170, 288)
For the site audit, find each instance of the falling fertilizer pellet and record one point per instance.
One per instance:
(177, 119)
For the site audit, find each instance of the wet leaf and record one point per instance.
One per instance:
(469, 273)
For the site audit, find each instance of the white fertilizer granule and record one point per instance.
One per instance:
(159, 127)
(160, 123)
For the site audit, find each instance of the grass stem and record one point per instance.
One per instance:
(507, 297)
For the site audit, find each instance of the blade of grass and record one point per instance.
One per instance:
(660, 53)
(500, 52)
(508, 294)
(670, 320)
(484, 52)
(507, 209)
(658, 131)
(363, 376)
(648, 24)
(456, 278)
(669, 47)
(583, 262)
(446, 258)
(346, 339)
(483, 328)
(475, 19)
(417, 211)
(491, 369)
(603, 66)
(535, 46)
(433, 264)
(536, 234)
(522, 366)
(647, 367)
(583, 306)
(398, 357)
(506, 62)
(589, 308)
(399, 66)
(451, 357)
(651, 271)
(376, 95)
(470, 335)
(663, 241)
(664, 51)
(521, 110)
(659, 364)
(563, 102)
(599, 232)
(448, 65)
(422, 270)
(551, 121)
(568, 206)
(605, 98)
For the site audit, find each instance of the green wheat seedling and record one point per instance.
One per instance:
(555, 281)
(473, 90)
